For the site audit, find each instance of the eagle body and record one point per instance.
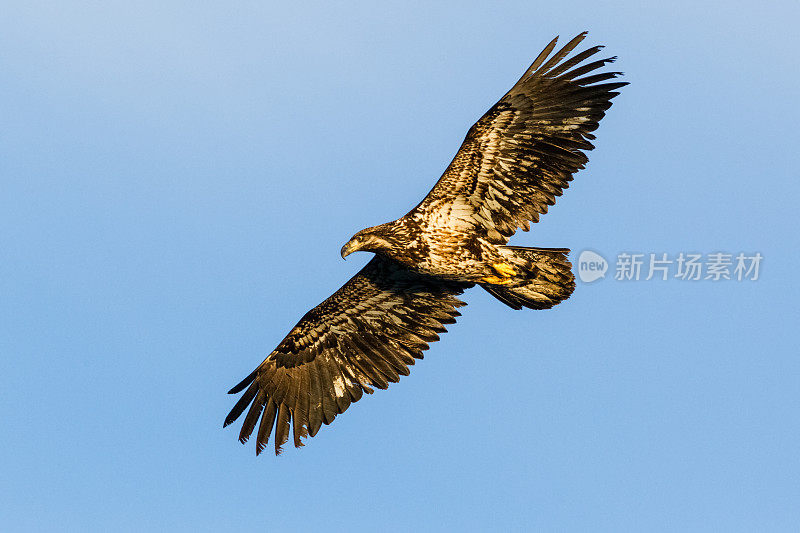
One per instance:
(449, 253)
(513, 163)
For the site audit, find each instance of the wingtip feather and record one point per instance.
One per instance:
(244, 383)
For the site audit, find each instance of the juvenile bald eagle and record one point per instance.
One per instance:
(513, 163)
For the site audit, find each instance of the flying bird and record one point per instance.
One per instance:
(512, 165)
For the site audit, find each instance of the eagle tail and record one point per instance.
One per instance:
(550, 279)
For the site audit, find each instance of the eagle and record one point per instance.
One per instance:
(512, 165)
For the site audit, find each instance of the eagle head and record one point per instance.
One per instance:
(367, 240)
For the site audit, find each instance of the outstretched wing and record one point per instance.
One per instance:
(522, 153)
(365, 335)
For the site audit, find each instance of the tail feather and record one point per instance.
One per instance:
(551, 280)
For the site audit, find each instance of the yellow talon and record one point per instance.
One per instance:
(494, 280)
(504, 269)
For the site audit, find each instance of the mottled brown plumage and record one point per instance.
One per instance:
(512, 165)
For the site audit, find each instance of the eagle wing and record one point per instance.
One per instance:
(365, 335)
(523, 152)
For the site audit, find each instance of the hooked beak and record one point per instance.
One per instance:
(349, 248)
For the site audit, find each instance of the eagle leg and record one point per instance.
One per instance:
(494, 280)
(504, 269)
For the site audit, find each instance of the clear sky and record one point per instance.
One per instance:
(176, 180)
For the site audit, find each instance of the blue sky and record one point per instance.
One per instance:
(178, 178)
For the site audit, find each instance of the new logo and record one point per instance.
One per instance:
(591, 266)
